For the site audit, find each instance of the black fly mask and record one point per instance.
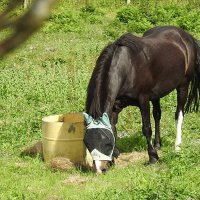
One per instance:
(99, 138)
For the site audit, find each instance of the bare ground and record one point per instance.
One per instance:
(61, 163)
(126, 159)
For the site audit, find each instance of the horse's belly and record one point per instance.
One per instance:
(159, 92)
(163, 88)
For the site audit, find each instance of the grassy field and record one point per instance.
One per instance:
(49, 75)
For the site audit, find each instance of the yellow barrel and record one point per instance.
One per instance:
(63, 137)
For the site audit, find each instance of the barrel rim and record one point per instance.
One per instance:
(59, 118)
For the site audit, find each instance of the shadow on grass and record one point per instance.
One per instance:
(137, 142)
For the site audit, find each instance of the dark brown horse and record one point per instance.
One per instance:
(136, 71)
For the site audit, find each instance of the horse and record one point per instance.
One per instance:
(134, 71)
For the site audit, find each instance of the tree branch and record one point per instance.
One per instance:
(25, 25)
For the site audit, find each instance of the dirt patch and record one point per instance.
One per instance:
(34, 150)
(123, 160)
(64, 164)
(126, 159)
(76, 179)
(61, 163)
(22, 165)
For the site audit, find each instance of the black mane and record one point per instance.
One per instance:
(94, 90)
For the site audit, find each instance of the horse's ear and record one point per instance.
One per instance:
(87, 118)
(105, 119)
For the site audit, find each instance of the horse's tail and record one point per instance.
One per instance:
(194, 92)
(95, 93)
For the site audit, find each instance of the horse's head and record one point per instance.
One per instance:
(100, 141)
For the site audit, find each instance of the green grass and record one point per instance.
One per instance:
(174, 177)
(49, 75)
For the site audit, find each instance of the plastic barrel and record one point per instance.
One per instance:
(63, 137)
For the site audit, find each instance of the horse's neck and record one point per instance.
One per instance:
(102, 102)
(112, 93)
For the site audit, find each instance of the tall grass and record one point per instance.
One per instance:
(49, 75)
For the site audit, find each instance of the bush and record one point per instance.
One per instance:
(115, 29)
(91, 14)
(138, 18)
(139, 26)
(129, 14)
(63, 22)
(67, 21)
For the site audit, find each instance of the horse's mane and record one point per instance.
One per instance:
(97, 88)
(131, 41)
(94, 92)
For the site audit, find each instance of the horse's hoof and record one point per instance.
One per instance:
(153, 157)
(177, 148)
(152, 160)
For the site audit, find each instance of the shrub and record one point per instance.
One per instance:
(138, 18)
(129, 14)
(63, 22)
(91, 14)
(139, 26)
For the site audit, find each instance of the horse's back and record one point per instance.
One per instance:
(166, 31)
(164, 57)
(177, 38)
(170, 34)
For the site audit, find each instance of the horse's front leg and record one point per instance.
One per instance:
(146, 127)
(113, 121)
(157, 117)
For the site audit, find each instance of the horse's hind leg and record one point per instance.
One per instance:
(146, 127)
(182, 94)
(157, 117)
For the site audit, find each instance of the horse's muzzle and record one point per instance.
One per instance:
(101, 166)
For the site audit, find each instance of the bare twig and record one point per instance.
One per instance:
(25, 25)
